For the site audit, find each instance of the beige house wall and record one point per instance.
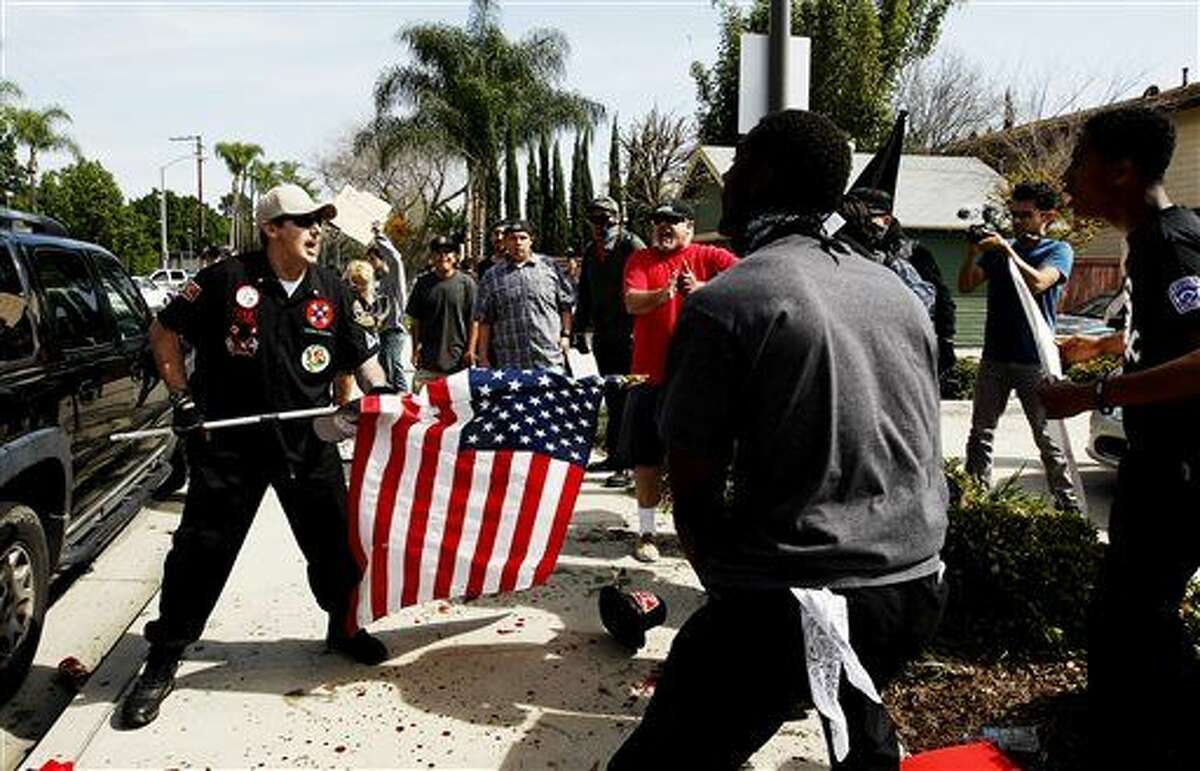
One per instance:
(1182, 181)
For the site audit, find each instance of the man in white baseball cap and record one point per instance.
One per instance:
(271, 328)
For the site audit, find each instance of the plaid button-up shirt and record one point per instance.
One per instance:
(523, 303)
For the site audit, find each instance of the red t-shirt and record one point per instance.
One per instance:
(649, 269)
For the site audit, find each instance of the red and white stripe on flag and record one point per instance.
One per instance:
(445, 501)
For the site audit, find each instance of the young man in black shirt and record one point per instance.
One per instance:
(1142, 668)
(440, 307)
(601, 310)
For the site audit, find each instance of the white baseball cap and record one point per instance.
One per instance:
(288, 199)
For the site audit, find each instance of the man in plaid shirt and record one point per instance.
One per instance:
(524, 308)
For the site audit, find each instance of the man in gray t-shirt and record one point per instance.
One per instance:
(807, 377)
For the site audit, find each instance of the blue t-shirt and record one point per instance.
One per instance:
(1006, 335)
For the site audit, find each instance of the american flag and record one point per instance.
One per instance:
(468, 487)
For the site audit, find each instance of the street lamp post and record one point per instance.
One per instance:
(162, 204)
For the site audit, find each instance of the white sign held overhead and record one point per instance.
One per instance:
(753, 78)
(356, 211)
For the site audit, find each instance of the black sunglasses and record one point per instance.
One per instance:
(302, 221)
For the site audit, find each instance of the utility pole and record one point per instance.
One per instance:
(199, 153)
(777, 53)
(162, 205)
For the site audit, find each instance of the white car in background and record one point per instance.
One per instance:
(171, 278)
(155, 296)
(1106, 438)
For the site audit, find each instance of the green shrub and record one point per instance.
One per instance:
(959, 383)
(1020, 571)
(1088, 371)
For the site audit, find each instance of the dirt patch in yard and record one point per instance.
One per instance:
(943, 703)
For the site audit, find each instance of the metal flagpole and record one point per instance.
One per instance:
(247, 420)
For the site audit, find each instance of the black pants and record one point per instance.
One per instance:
(736, 672)
(1142, 670)
(613, 357)
(229, 475)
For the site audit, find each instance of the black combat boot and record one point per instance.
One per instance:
(155, 684)
(360, 646)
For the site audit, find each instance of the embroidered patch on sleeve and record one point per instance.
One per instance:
(1185, 294)
(190, 291)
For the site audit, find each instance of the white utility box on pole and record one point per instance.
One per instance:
(753, 80)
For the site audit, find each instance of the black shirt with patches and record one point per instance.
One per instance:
(258, 350)
(1163, 324)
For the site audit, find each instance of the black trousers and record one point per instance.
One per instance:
(613, 357)
(1143, 677)
(736, 672)
(229, 475)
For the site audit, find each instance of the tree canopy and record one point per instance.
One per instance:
(859, 48)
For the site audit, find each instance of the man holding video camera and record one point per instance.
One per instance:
(1010, 360)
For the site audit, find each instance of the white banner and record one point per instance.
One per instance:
(356, 211)
(1043, 338)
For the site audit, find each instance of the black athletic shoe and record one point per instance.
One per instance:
(360, 647)
(155, 684)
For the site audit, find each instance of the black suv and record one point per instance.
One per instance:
(75, 367)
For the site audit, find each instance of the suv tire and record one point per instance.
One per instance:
(24, 591)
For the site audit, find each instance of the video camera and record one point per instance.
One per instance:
(989, 221)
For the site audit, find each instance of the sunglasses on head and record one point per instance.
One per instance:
(303, 221)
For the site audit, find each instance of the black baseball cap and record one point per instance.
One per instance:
(443, 244)
(517, 226)
(673, 211)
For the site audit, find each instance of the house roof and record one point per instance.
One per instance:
(1171, 100)
(929, 192)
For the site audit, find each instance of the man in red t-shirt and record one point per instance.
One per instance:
(657, 280)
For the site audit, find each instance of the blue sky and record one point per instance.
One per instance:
(293, 76)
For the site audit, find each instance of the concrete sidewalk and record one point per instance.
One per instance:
(526, 680)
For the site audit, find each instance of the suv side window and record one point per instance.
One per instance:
(71, 297)
(123, 297)
(16, 328)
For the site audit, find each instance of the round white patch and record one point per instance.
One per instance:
(315, 358)
(246, 296)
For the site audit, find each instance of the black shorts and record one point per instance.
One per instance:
(639, 427)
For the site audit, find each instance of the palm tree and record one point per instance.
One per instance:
(9, 90)
(37, 130)
(289, 172)
(466, 85)
(238, 157)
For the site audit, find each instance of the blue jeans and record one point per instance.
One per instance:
(391, 357)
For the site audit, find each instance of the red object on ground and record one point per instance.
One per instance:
(980, 756)
(74, 671)
(54, 765)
